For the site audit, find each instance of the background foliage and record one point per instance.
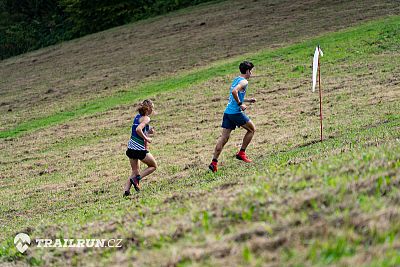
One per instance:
(27, 25)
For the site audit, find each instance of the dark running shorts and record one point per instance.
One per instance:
(231, 121)
(136, 154)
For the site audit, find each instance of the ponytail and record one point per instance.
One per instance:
(145, 106)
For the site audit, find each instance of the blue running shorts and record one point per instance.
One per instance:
(231, 121)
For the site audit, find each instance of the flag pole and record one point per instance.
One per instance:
(320, 94)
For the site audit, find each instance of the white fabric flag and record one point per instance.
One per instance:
(315, 66)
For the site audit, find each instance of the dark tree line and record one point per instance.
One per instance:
(27, 25)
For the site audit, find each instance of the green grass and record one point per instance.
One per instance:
(346, 45)
(301, 203)
(267, 180)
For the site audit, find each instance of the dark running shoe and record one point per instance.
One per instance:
(135, 183)
(126, 193)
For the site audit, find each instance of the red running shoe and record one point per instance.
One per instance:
(213, 166)
(242, 156)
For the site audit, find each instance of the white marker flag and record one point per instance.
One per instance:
(318, 51)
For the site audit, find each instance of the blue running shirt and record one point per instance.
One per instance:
(136, 142)
(233, 107)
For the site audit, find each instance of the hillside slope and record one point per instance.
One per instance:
(300, 203)
(56, 78)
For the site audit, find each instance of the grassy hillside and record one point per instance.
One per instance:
(300, 203)
(60, 78)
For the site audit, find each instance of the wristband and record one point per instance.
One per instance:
(240, 103)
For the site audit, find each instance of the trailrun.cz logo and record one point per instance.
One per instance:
(22, 242)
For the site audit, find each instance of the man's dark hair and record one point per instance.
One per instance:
(244, 66)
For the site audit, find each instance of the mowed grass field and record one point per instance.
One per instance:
(300, 203)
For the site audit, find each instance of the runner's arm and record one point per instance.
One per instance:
(250, 100)
(235, 94)
(139, 129)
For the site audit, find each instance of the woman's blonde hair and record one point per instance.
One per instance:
(145, 106)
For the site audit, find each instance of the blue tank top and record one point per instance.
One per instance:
(233, 107)
(136, 142)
